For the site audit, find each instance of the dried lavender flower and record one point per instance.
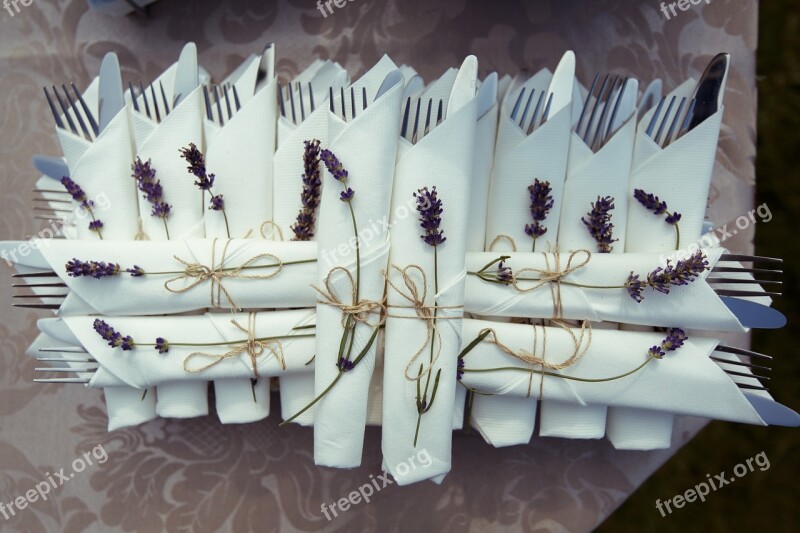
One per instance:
(334, 166)
(95, 269)
(430, 210)
(345, 365)
(599, 223)
(217, 203)
(658, 207)
(541, 204)
(135, 271)
(205, 181)
(162, 346)
(113, 337)
(78, 195)
(460, 369)
(303, 227)
(347, 195)
(504, 273)
(674, 340)
(145, 176)
(662, 279)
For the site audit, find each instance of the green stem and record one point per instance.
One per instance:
(314, 401)
(227, 228)
(555, 375)
(433, 342)
(166, 229)
(230, 343)
(677, 237)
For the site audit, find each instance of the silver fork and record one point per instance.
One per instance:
(226, 94)
(679, 121)
(298, 110)
(151, 102)
(415, 134)
(349, 101)
(606, 102)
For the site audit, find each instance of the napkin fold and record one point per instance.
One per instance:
(366, 147)
(695, 305)
(420, 353)
(181, 279)
(686, 381)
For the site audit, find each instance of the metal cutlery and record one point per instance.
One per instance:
(602, 113)
(296, 111)
(415, 134)
(348, 101)
(225, 95)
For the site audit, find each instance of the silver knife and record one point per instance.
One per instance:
(52, 167)
(710, 89)
(186, 74)
(112, 96)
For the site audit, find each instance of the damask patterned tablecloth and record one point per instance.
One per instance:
(202, 476)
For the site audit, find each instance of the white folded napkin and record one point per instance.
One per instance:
(442, 159)
(482, 160)
(124, 294)
(679, 174)
(366, 147)
(103, 171)
(160, 143)
(589, 175)
(686, 381)
(240, 154)
(695, 305)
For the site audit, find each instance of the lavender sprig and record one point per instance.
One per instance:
(98, 269)
(599, 223)
(145, 176)
(541, 204)
(662, 279)
(674, 340)
(345, 362)
(205, 181)
(78, 195)
(430, 210)
(113, 337)
(303, 227)
(659, 207)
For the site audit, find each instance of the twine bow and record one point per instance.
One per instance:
(582, 341)
(254, 348)
(552, 277)
(357, 310)
(197, 273)
(416, 297)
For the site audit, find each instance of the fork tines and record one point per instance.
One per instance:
(416, 133)
(757, 262)
(151, 101)
(225, 95)
(69, 109)
(675, 123)
(599, 114)
(357, 102)
(301, 104)
(738, 363)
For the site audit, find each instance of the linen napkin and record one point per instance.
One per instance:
(695, 305)
(684, 382)
(680, 175)
(443, 159)
(102, 170)
(160, 143)
(187, 275)
(366, 147)
(482, 160)
(592, 174)
(297, 389)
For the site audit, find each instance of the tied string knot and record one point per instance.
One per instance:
(551, 275)
(197, 273)
(581, 342)
(357, 310)
(254, 348)
(416, 296)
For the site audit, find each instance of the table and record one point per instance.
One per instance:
(200, 475)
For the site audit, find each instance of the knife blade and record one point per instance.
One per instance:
(186, 74)
(52, 167)
(710, 89)
(561, 83)
(112, 96)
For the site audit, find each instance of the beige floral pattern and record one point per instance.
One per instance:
(198, 475)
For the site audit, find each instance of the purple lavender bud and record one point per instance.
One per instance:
(135, 272)
(634, 287)
(430, 212)
(73, 189)
(217, 203)
(96, 225)
(541, 203)
(95, 269)
(675, 339)
(673, 218)
(656, 352)
(347, 195)
(303, 227)
(114, 338)
(345, 365)
(658, 207)
(535, 230)
(333, 165)
(145, 176)
(504, 273)
(162, 346)
(460, 369)
(599, 223)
